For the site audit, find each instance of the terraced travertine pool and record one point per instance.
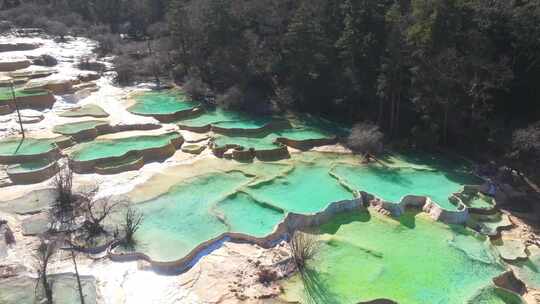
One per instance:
(105, 148)
(6, 94)
(263, 143)
(76, 127)
(28, 166)
(268, 142)
(91, 110)
(392, 184)
(162, 102)
(225, 119)
(27, 146)
(367, 256)
(221, 200)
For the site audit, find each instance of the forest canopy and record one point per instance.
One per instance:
(463, 74)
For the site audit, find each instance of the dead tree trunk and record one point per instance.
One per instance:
(14, 98)
(79, 285)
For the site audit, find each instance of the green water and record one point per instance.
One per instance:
(244, 124)
(368, 256)
(76, 127)
(175, 223)
(87, 110)
(392, 184)
(480, 202)
(28, 146)
(28, 166)
(244, 214)
(117, 147)
(226, 119)
(162, 102)
(251, 199)
(307, 189)
(529, 270)
(494, 295)
(268, 142)
(303, 134)
(264, 143)
(6, 95)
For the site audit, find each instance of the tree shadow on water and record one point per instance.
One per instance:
(343, 219)
(19, 146)
(316, 289)
(408, 218)
(391, 175)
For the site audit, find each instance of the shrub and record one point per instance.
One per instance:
(63, 183)
(8, 236)
(5, 26)
(88, 65)
(196, 88)
(525, 151)
(266, 276)
(178, 72)
(132, 222)
(107, 43)
(58, 29)
(303, 247)
(232, 99)
(45, 60)
(125, 70)
(365, 137)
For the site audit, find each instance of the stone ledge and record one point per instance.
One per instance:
(34, 176)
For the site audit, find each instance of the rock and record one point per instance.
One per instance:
(528, 271)
(11, 47)
(509, 281)
(228, 154)
(10, 65)
(511, 249)
(8, 271)
(193, 149)
(30, 116)
(88, 76)
(45, 60)
(31, 203)
(491, 224)
(35, 224)
(90, 110)
(5, 109)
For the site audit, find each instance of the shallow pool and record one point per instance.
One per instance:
(176, 222)
(27, 146)
(392, 184)
(162, 102)
(366, 256)
(252, 198)
(104, 148)
(226, 119)
(76, 127)
(306, 189)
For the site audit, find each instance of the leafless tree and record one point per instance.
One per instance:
(45, 251)
(303, 247)
(64, 207)
(63, 183)
(95, 212)
(132, 223)
(77, 276)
